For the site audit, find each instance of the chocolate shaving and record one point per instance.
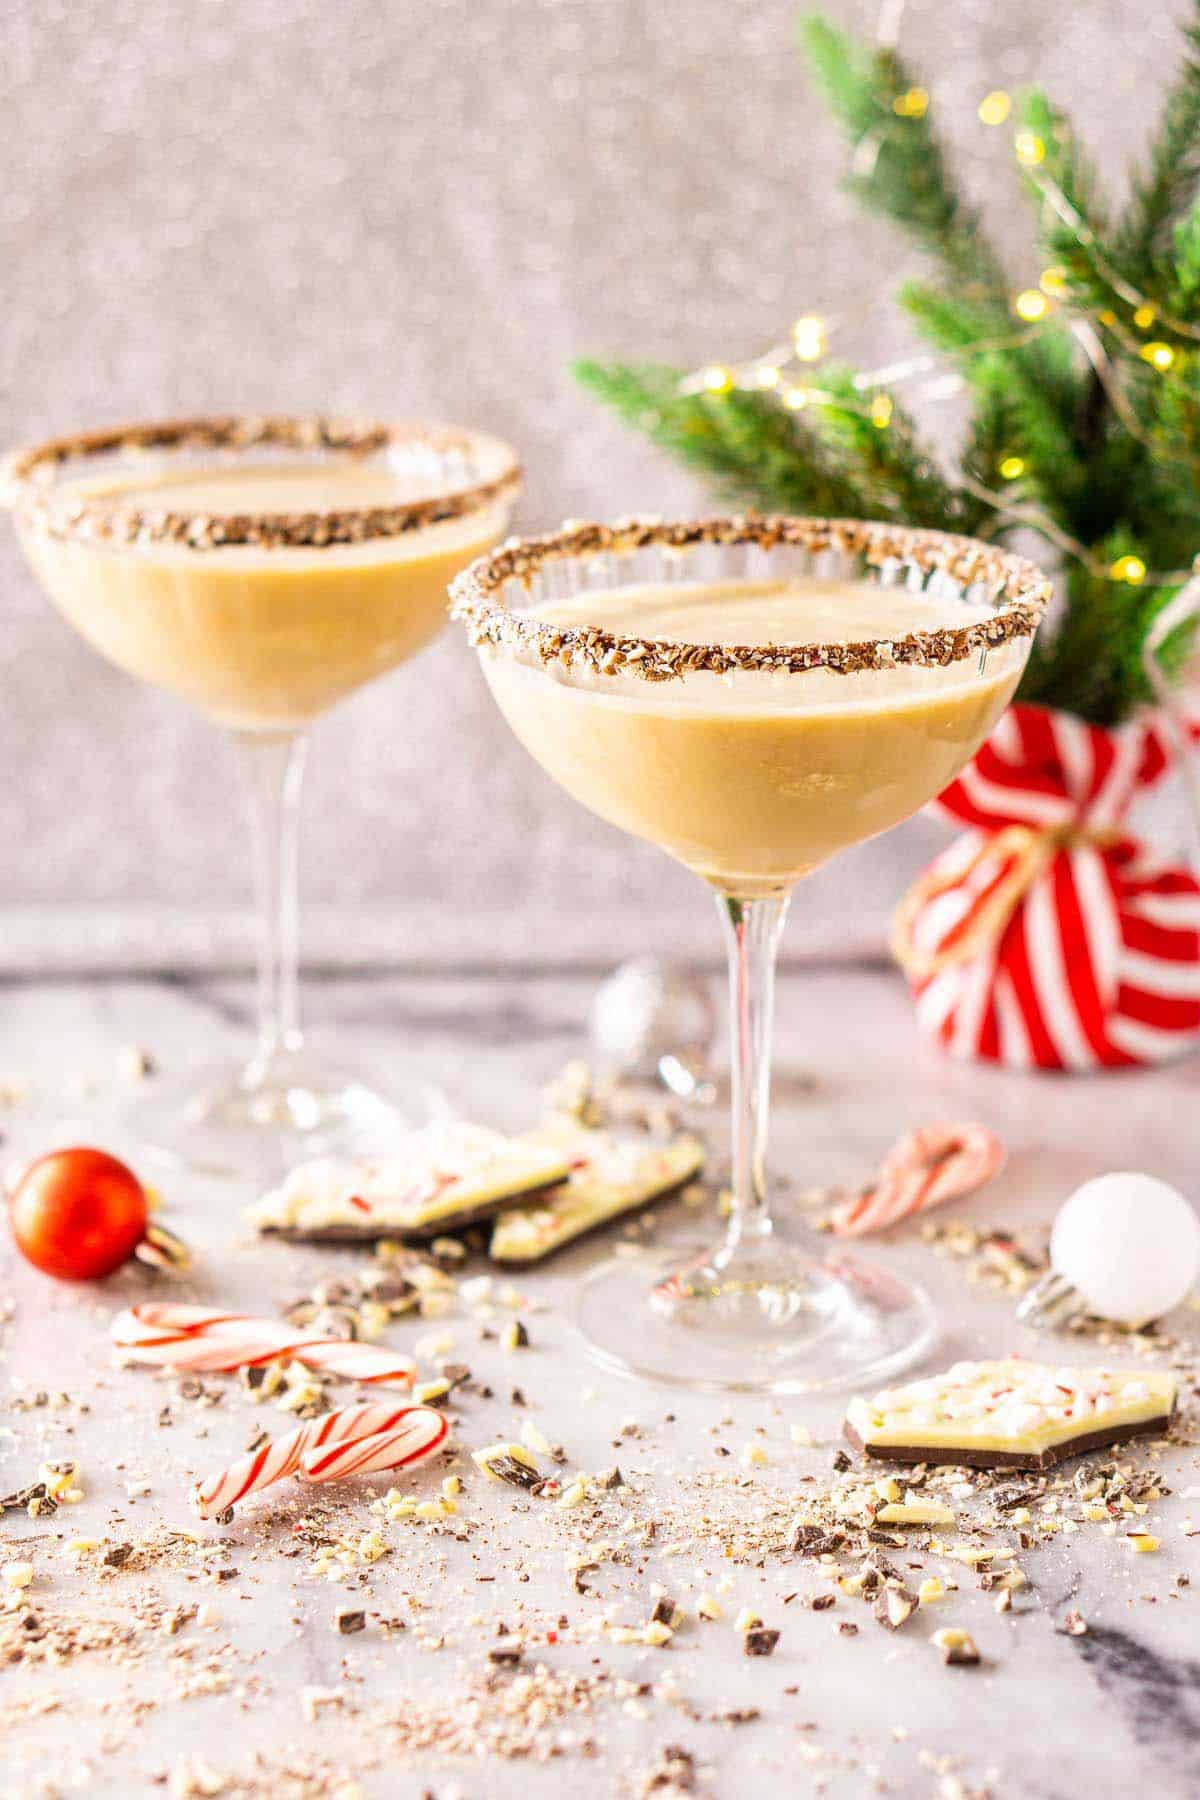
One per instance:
(507, 1468)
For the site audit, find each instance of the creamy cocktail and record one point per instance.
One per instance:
(262, 568)
(753, 779)
(259, 638)
(753, 695)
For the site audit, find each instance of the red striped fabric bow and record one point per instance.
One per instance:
(1046, 936)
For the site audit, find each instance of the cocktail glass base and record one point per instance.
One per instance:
(772, 1319)
(259, 1120)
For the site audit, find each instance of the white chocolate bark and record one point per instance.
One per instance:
(1011, 1408)
(440, 1174)
(609, 1174)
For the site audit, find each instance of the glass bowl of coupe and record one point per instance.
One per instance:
(752, 695)
(262, 568)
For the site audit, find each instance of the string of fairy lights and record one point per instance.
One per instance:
(789, 371)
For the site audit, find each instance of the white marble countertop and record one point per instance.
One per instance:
(1045, 1715)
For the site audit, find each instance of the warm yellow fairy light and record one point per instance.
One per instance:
(881, 411)
(795, 398)
(717, 379)
(1012, 467)
(995, 107)
(1159, 356)
(1145, 316)
(766, 375)
(1053, 282)
(913, 104)
(808, 338)
(1128, 568)
(1031, 305)
(1030, 148)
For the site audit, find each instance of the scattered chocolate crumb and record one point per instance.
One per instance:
(676, 1768)
(760, 1640)
(348, 1620)
(957, 1648)
(895, 1606)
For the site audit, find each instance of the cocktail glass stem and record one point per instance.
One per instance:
(285, 1102)
(274, 777)
(1168, 641)
(752, 930)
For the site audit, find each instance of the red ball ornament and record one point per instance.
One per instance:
(78, 1214)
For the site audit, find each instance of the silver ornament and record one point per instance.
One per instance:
(652, 1022)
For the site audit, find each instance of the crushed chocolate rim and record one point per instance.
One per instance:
(1016, 588)
(478, 472)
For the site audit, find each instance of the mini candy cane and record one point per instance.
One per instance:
(208, 1341)
(926, 1168)
(422, 1431)
(280, 1457)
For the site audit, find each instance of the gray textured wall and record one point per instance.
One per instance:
(427, 207)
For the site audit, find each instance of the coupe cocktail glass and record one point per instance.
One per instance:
(752, 696)
(262, 568)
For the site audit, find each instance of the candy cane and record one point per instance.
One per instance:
(211, 1342)
(400, 1447)
(926, 1168)
(280, 1457)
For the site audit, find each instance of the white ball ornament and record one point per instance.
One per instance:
(1130, 1244)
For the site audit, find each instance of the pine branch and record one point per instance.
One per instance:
(1184, 292)
(1167, 187)
(899, 168)
(1040, 382)
(1080, 658)
(994, 429)
(757, 453)
(1077, 245)
(903, 480)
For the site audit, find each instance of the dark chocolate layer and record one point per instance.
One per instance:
(1007, 1459)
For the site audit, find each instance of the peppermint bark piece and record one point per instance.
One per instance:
(1010, 1414)
(610, 1174)
(439, 1181)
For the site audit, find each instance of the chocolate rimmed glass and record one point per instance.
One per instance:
(263, 567)
(752, 695)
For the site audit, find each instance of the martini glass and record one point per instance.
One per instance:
(262, 568)
(752, 695)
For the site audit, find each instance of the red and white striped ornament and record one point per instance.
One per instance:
(209, 1341)
(1046, 936)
